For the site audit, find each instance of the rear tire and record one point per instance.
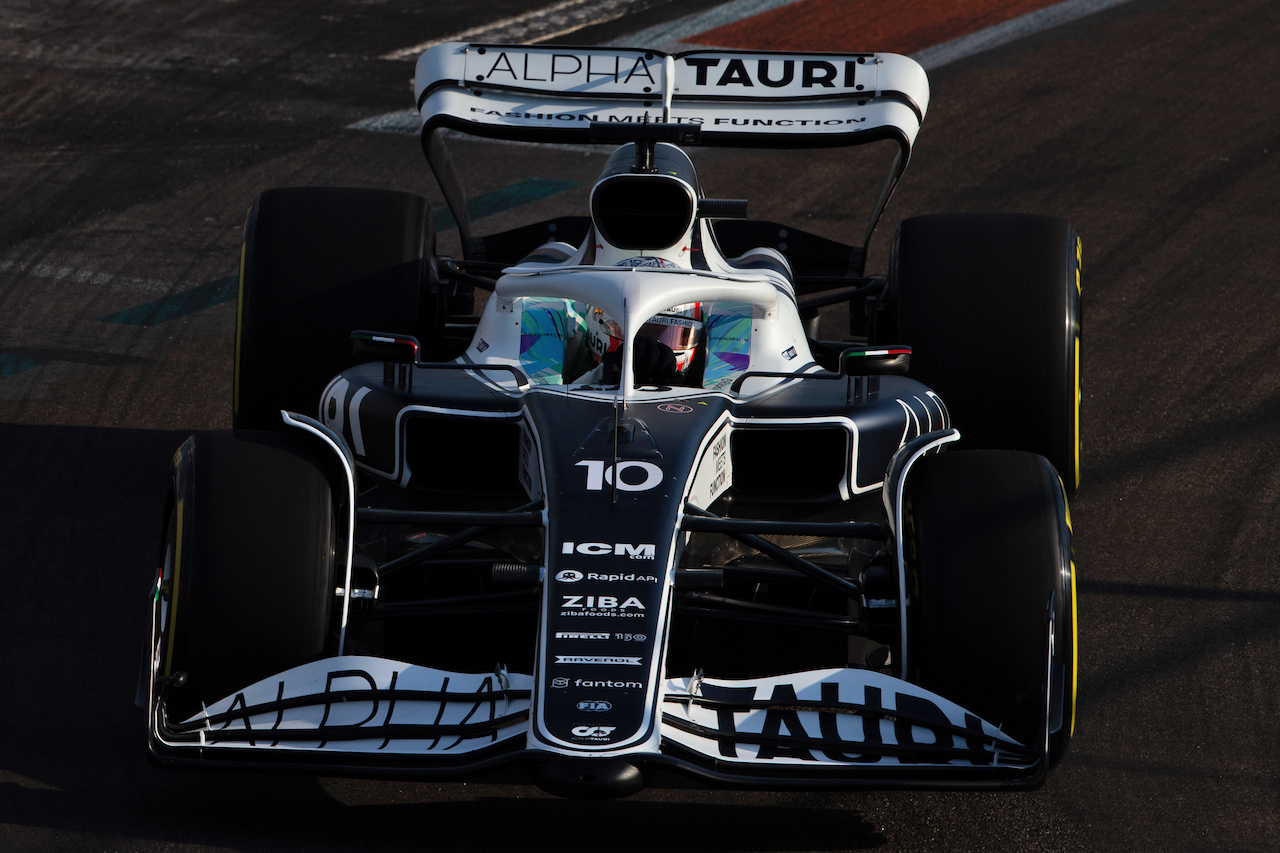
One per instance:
(988, 558)
(249, 563)
(318, 264)
(990, 305)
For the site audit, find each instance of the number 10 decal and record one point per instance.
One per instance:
(599, 476)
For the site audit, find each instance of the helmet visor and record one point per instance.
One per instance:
(679, 333)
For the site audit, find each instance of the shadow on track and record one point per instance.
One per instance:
(79, 515)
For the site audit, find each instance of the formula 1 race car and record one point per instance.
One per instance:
(634, 516)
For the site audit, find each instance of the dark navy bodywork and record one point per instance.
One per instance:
(611, 547)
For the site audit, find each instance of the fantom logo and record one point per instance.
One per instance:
(604, 549)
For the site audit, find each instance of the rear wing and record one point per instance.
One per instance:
(736, 98)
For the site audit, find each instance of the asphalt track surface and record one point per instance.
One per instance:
(133, 136)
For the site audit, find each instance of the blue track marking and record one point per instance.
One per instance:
(179, 304)
(487, 204)
(11, 363)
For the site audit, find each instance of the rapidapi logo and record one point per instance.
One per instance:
(573, 576)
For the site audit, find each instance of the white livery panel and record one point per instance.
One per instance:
(525, 91)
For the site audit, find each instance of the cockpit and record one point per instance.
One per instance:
(649, 215)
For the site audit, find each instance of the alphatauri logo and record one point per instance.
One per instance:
(594, 732)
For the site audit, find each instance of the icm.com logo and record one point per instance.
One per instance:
(605, 549)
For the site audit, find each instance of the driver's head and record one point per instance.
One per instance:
(679, 330)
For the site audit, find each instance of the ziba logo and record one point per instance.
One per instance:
(602, 606)
(603, 602)
(604, 549)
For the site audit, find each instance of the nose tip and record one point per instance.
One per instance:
(588, 778)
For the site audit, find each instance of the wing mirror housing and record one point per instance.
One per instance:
(398, 353)
(892, 360)
(383, 346)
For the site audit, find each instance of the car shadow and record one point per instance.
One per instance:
(80, 520)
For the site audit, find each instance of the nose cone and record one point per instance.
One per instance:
(588, 778)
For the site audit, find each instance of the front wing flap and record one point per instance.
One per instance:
(833, 718)
(361, 705)
(847, 727)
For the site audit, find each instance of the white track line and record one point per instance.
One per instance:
(78, 276)
(535, 26)
(1011, 30)
(525, 29)
(667, 34)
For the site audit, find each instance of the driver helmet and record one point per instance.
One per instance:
(679, 328)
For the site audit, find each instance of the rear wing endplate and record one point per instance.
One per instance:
(737, 98)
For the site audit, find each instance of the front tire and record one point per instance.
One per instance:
(989, 574)
(248, 565)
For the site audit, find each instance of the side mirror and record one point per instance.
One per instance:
(380, 346)
(398, 354)
(722, 208)
(876, 361)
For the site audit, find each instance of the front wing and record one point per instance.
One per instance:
(832, 727)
